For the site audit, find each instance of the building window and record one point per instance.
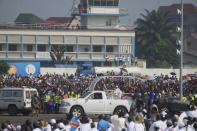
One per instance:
(1, 47)
(109, 22)
(97, 3)
(97, 48)
(12, 47)
(109, 49)
(86, 49)
(54, 47)
(90, 2)
(29, 47)
(110, 3)
(41, 48)
(69, 48)
(103, 2)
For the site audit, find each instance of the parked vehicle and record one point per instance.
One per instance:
(16, 100)
(96, 102)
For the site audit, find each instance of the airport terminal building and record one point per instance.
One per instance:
(97, 38)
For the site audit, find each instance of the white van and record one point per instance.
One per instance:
(16, 100)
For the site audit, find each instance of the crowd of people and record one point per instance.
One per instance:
(146, 114)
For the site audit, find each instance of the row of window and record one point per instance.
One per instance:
(103, 2)
(16, 93)
(96, 48)
(10, 93)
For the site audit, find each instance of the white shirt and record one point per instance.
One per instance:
(57, 129)
(185, 129)
(85, 127)
(47, 128)
(169, 128)
(94, 129)
(67, 127)
(118, 123)
(139, 127)
(37, 129)
(162, 125)
(111, 127)
(130, 126)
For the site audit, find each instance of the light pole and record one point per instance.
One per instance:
(181, 54)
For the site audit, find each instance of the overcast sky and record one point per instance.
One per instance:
(10, 9)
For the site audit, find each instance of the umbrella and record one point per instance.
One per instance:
(172, 73)
(123, 69)
(149, 78)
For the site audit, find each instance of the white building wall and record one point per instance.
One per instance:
(57, 37)
(70, 32)
(100, 21)
(142, 71)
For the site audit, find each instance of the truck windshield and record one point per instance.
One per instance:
(85, 94)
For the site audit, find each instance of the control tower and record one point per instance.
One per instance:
(100, 13)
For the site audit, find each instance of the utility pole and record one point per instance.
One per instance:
(181, 54)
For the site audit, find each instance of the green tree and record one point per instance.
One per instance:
(28, 18)
(57, 55)
(4, 67)
(155, 40)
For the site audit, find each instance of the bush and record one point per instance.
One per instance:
(4, 67)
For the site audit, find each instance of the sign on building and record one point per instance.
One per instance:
(24, 69)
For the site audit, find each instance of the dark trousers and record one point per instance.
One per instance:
(57, 107)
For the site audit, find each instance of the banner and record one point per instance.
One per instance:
(24, 69)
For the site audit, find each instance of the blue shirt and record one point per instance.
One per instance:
(102, 125)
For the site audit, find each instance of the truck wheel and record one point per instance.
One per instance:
(76, 111)
(12, 110)
(120, 109)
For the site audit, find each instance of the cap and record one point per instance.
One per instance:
(52, 121)
(61, 125)
(18, 128)
(126, 115)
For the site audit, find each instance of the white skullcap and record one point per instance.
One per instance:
(18, 128)
(126, 115)
(61, 125)
(52, 121)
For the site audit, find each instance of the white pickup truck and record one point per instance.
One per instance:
(96, 102)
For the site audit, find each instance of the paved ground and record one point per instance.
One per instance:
(20, 119)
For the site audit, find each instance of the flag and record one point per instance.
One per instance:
(187, 78)
(178, 52)
(74, 123)
(178, 11)
(144, 76)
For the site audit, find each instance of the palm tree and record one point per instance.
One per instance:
(151, 29)
(57, 55)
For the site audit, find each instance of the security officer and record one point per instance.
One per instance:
(57, 100)
(77, 95)
(69, 94)
(35, 105)
(47, 98)
(184, 98)
(73, 94)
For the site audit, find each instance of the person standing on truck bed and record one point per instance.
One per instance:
(35, 105)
